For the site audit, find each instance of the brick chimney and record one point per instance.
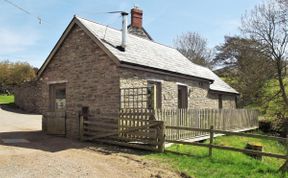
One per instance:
(136, 18)
(136, 28)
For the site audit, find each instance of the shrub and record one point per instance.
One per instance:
(275, 125)
(280, 124)
(265, 125)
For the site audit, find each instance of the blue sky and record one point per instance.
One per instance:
(22, 38)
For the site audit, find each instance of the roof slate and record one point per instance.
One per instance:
(147, 53)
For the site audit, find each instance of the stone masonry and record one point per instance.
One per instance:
(199, 96)
(28, 96)
(91, 78)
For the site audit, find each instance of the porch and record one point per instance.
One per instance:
(236, 120)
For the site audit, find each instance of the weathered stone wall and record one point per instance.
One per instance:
(199, 96)
(91, 78)
(28, 96)
(229, 101)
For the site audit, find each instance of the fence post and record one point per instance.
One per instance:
(211, 140)
(161, 137)
(284, 167)
(286, 149)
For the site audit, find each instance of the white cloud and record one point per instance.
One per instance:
(12, 41)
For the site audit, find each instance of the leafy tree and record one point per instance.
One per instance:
(21, 72)
(4, 72)
(12, 74)
(246, 68)
(267, 24)
(193, 46)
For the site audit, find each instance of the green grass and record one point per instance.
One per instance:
(6, 99)
(224, 163)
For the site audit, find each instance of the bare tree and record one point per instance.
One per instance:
(194, 47)
(268, 25)
(283, 3)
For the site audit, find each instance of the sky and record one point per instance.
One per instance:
(23, 38)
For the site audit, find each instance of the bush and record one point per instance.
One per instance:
(280, 124)
(276, 125)
(265, 125)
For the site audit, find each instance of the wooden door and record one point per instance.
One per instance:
(56, 117)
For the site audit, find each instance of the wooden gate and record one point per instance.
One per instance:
(136, 128)
(56, 122)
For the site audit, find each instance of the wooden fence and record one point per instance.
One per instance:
(213, 131)
(223, 119)
(136, 128)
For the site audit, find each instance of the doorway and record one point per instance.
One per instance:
(56, 117)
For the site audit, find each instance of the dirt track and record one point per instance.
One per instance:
(39, 155)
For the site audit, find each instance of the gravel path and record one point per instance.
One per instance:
(40, 155)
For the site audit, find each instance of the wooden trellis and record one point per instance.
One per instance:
(137, 98)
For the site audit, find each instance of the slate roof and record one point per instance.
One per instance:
(220, 85)
(142, 52)
(147, 53)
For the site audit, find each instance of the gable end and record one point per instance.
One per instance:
(67, 31)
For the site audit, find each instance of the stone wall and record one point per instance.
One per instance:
(28, 96)
(229, 101)
(199, 96)
(90, 76)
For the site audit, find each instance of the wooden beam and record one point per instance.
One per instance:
(122, 131)
(229, 133)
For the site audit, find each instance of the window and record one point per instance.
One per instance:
(182, 97)
(220, 101)
(236, 102)
(201, 84)
(154, 95)
(60, 99)
(57, 97)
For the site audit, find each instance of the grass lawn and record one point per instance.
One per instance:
(224, 163)
(6, 99)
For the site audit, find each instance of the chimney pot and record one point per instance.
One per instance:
(136, 17)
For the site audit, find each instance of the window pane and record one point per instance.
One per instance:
(60, 99)
(60, 94)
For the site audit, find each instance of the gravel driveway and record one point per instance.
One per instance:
(26, 152)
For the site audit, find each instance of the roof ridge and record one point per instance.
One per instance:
(128, 33)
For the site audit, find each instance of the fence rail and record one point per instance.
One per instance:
(213, 131)
(222, 119)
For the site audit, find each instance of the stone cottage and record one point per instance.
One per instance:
(88, 67)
